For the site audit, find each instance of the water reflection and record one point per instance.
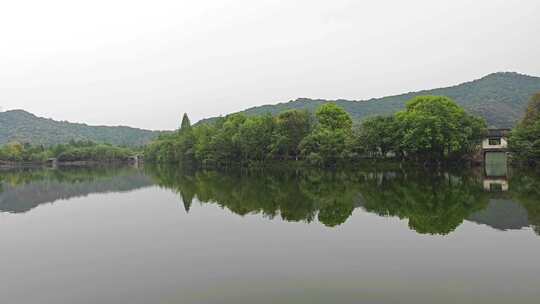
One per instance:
(435, 203)
(525, 189)
(25, 189)
(293, 195)
(432, 202)
(502, 214)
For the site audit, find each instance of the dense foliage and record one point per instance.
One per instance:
(73, 151)
(525, 138)
(17, 152)
(24, 127)
(431, 128)
(434, 127)
(499, 98)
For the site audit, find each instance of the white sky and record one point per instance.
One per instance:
(144, 63)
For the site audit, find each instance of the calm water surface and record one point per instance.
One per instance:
(164, 235)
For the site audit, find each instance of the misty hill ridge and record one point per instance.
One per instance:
(22, 126)
(500, 98)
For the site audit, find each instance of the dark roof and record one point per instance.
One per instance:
(498, 132)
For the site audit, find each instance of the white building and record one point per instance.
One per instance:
(496, 141)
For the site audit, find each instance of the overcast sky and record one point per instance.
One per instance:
(144, 63)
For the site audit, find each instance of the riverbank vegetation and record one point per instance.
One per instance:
(74, 151)
(430, 129)
(524, 142)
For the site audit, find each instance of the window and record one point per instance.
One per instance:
(495, 187)
(494, 141)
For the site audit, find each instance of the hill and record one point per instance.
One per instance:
(500, 98)
(19, 125)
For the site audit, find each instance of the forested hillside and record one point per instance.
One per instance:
(500, 98)
(24, 127)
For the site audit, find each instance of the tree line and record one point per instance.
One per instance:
(73, 151)
(430, 129)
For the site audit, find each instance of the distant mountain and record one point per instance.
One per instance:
(500, 98)
(19, 125)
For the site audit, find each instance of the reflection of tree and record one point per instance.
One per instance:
(525, 189)
(335, 213)
(67, 174)
(433, 203)
(334, 194)
(294, 196)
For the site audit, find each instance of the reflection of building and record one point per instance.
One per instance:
(135, 160)
(494, 148)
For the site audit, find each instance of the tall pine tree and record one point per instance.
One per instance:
(186, 124)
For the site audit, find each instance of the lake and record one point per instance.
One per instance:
(384, 234)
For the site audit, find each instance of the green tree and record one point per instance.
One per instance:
(203, 148)
(524, 140)
(332, 117)
(436, 128)
(325, 147)
(186, 123)
(291, 128)
(380, 135)
(331, 139)
(255, 137)
(532, 113)
(226, 144)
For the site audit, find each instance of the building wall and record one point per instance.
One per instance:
(495, 164)
(499, 184)
(487, 146)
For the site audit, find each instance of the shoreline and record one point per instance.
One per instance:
(37, 165)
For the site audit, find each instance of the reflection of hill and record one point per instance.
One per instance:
(525, 189)
(22, 191)
(502, 215)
